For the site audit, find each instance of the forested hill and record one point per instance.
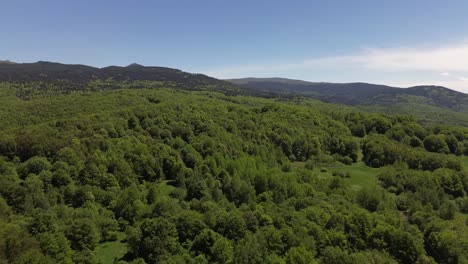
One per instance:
(173, 176)
(105, 166)
(43, 70)
(361, 93)
(65, 78)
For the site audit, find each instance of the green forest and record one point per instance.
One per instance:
(149, 172)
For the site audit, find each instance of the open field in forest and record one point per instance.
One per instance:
(109, 251)
(359, 174)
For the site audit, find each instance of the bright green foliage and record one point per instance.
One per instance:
(299, 255)
(402, 246)
(173, 176)
(83, 234)
(436, 143)
(213, 246)
(158, 240)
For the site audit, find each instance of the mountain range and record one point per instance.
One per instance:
(425, 102)
(360, 93)
(44, 70)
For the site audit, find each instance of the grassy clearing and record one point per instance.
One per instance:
(165, 189)
(360, 174)
(464, 161)
(109, 251)
(460, 223)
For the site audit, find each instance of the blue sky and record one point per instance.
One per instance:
(391, 42)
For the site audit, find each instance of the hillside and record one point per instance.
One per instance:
(363, 94)
(426, 103)
(173, 176)
(43, 70)
(183, 168)
(50, 77)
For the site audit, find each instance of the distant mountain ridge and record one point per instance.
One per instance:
(7, 62)
(51, 70)
(40, 77)
(76, 76)
(360, 93)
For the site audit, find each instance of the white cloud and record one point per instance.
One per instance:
(446, 58)
(444, 64)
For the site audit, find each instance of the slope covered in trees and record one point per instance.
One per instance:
(39, 78)
(168, 175)
(432, 103)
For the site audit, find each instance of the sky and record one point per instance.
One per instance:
(399, 43)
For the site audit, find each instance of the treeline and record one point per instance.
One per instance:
(198, 177)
